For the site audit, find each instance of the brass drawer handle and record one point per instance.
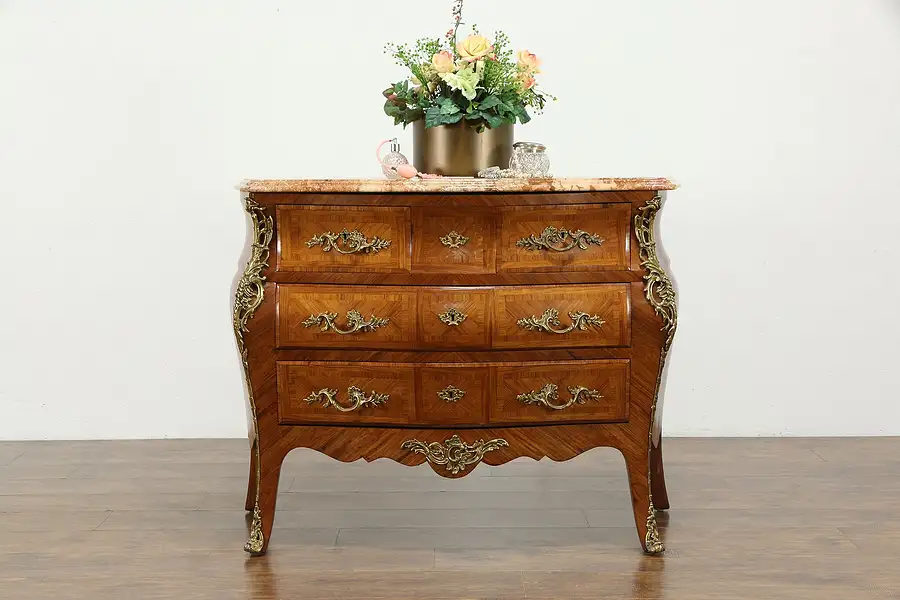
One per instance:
(355, 322)
(454, 453)
(348, 242)
(548, 394)
(454, 239)
(452, 317)
(549, 322)
(357, 397)
(560, 240)
(451, 394)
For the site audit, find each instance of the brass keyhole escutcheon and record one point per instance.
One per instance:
(452, 316)
(454, 239)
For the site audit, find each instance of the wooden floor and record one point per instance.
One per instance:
(760, 518)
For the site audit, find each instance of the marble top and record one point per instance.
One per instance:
(457, 185)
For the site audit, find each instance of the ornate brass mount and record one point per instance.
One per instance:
(454, 240)
(355, 322)
(357, 398)
(549, 322)
(651, 540)
(559, 240)
(248, 298)
(657, 286)
(451, 394)
(256, 540)
(452, 317)
(661, 295)
(348, 242)
(454, 453)
(548, 395)
(251, 287)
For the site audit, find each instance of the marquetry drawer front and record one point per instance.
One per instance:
(583, 391)
(454, 395)
(565, 238)
(576, 316)
(324, 393)
(459, 240)
(346, 317)
(455, 318)
(360, 239)
(427, 318)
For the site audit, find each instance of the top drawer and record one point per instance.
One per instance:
(587, 237)
(360, 239)
(565, 238)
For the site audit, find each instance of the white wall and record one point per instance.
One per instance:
(124, 127)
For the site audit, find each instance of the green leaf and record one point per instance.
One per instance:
(412, 114)
(448, 106)
(392, 110)
(433, 117)
(507, 110)
(455, 118)
(490, 102)
(524, 117)
(493, 119)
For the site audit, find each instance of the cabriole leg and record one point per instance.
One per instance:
(250, 502)
(264, 506)
(641, 501)
(658, 477)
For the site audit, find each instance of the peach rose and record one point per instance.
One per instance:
(529, 62)
(527, 82)
(474, 47)
(442, 62)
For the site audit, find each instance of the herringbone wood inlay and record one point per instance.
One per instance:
(609, 302)
(610, 222)
(297, 225)
(476, 255)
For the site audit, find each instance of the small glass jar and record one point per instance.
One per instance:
(530, 159)
(392, 160)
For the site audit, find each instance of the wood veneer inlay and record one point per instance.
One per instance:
(455, 349)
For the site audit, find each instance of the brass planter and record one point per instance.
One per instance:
(459, 150)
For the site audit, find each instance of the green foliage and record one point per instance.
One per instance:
(448, 106)
(404, 104)
(501, 75)
(416, 58)
(489, 92)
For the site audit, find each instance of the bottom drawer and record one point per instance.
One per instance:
(319, 392)
(582, 391)
(442, 394)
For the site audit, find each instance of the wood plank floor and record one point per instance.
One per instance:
(751, 518)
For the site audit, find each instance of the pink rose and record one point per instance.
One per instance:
(442, 62)
(529, 62)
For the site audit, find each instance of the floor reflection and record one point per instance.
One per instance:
(277, 576)
(260, 581)
(367, 569)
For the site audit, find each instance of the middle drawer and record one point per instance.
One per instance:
(447, 318)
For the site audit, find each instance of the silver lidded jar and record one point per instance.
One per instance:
(530, 159)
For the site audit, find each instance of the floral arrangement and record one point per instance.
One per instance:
(472, 79)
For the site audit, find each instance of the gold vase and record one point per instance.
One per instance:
(459, 150)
